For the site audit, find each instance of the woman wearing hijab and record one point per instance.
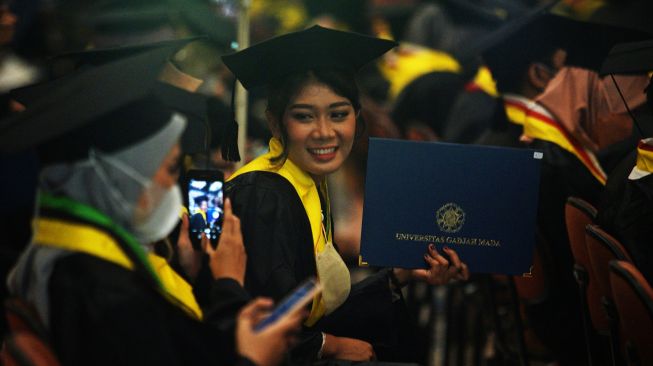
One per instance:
(282, 199)
(107, 188)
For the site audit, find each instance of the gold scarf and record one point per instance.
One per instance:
(89, 240)
(540, 124)
(645, 156)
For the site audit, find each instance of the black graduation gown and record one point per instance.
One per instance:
(502, 132)
(101, 313)
(626, 212)
(104, 314)
(279, 245)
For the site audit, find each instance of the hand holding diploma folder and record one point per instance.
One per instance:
(479, 201)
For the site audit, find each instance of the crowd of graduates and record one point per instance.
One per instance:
(138, 94)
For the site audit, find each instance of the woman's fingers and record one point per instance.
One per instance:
(433, 253)
(206, 246)
(229, 224)
(185, 223)
(255, 307)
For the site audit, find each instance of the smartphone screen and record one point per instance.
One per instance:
(205, 205)
(300, 297)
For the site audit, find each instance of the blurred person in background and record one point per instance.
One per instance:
(19, 169)
(625, 208)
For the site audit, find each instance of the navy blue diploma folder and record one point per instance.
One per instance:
(479, 200)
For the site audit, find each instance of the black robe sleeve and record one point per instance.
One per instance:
(103, 314)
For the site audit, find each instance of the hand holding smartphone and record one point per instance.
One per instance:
(297, 299)
(205, 202)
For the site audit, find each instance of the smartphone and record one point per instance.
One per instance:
(298, 298)
(205, 203)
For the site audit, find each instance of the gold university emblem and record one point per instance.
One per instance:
(450, 217)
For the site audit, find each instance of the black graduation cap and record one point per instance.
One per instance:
(525, 38)
(312, 48)
(629, 58)
(514, 39)
(196, 137)
(66, 63)
(107, 107)
(589, 43)
(199, 199)
(126, 16)
(491, 12)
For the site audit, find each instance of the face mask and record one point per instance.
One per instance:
(158, 214)
(158, 223)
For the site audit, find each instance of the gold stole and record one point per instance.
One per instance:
(89, 240)
(645, 157)
(540, 124)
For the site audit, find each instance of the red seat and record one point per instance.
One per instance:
(579, 214)
(26, 349)
(602, 249)
(633, 297)
(27, 343)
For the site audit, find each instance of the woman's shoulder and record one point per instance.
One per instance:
(259, 181)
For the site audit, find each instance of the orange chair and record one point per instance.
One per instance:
(579, 214)
(27, 343)
(26, 349)
(603, 248)
(633, 297)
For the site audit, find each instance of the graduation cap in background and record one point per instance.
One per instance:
(629, 58)
(540, 31)
(313, 48)
(124, 16)
(111, 17)
(589, 43)
(106, 107)
(201, 124)
(66, 63)
(516, 40)
(199, 199)
(491, 12)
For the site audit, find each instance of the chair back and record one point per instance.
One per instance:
(579, 214)
(532, 288)
(633, 297)
(26, 349)
(602, 248)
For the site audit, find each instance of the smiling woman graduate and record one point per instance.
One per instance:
(282, 199)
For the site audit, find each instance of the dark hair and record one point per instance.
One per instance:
(281, 93)
(510, 71)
